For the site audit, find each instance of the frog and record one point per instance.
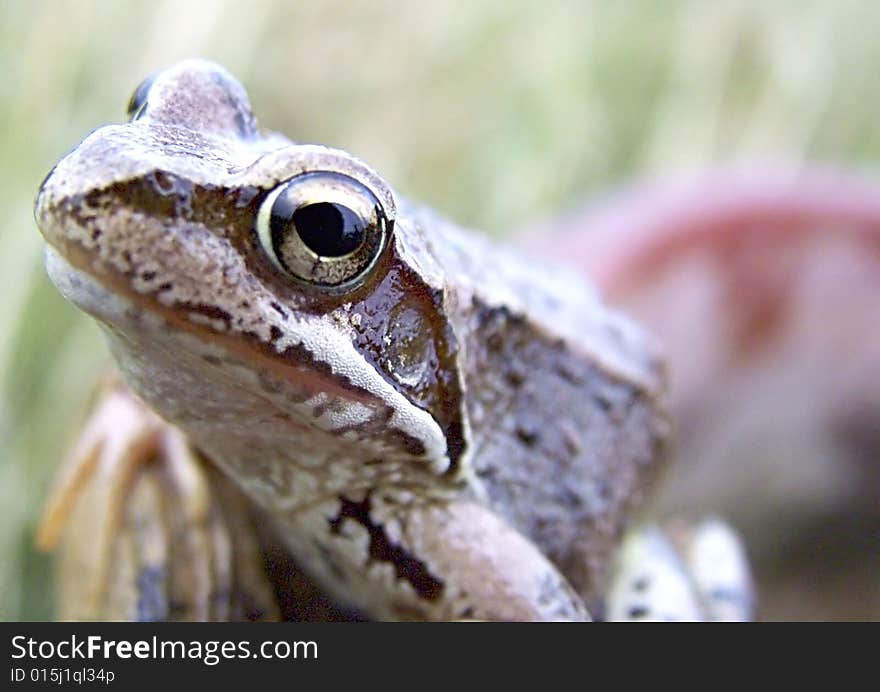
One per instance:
(334, 403)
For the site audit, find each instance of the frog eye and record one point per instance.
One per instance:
(137, 104)
(326, 229)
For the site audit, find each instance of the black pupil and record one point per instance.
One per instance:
(328, 229)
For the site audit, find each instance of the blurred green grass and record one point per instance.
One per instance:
(496, 112)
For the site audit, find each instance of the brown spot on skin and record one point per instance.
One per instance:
(515, 378)
(406, 566)
(412, 445)
(529, 436)
(210, 311)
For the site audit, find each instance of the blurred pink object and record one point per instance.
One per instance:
(763, 285)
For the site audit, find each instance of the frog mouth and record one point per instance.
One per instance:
(82, 289)
(122, 311)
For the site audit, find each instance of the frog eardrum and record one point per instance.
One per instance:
(323, 228)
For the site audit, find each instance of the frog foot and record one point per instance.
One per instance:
(684, 570)
(146, 530)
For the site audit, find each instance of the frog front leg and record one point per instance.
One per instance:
(145, 530)
(402, 558)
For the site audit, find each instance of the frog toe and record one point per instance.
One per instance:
(145, 530)
(683, 571)
(718, 566)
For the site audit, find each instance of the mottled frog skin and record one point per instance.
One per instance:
(434, 426)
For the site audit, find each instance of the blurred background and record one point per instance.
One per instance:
(498, 113)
